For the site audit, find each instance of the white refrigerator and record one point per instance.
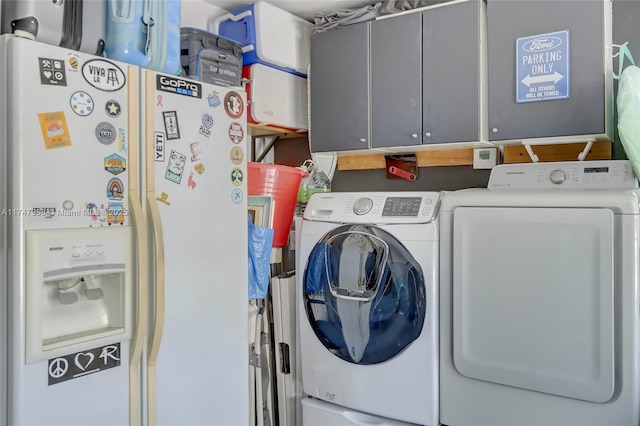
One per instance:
(123, 232)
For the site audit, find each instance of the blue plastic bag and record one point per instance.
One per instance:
(260, 245)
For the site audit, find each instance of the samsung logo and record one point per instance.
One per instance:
(542, 44)
(56, 248)
(515, 173)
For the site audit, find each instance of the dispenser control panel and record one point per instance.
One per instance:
(103, 251)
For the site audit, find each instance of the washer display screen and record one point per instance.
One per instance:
(401, 206)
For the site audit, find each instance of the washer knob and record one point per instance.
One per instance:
(362, 206)
(558, 176)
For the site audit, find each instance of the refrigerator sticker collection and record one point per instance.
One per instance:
(214, 99)
(236, 133)
(122, 140)
(233, 104)
(81, 103)
(80, 364)
(72, 61)
(175, 167)
(105, 133)
(115, 189)
(112, 108)
(54, 129)
(115, 164)
(195, 151)
(237, 177)
(103, 75)
(159, 144)
(236, 155)
(178, 86)
(190, 182)
(171, 127)
(207, 124)
(52, 72)
(237, 196)
(164, 198)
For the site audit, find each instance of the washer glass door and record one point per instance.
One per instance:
(364, 294)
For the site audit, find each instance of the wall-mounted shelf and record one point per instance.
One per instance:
(464, 156)
(258, 131)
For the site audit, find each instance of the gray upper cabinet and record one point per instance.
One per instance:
(400, 81)
(396, 81)
(452, 66)
(425, 76)
(339, 89)
(548, 76)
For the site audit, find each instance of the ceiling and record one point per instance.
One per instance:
(303, 8)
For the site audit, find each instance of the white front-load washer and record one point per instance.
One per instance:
(539, 298)
(368, 306)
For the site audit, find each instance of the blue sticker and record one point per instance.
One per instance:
(237, 195)
(214, 99)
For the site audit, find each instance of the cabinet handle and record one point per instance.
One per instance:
(414, 135)
(428, 134)
(494, 130)
(363, 140)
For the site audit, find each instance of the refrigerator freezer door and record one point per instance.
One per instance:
(198, 357)
(66, 133)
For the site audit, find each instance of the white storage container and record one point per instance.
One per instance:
(276, 97)
(269, 35)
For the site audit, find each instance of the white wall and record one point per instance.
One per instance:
(199, 14)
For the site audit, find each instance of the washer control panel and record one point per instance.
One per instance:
(373, 207)
(609, 174)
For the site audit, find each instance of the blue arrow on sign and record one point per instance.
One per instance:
(542, 67)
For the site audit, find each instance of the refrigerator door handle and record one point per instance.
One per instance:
(142, 245)
(140, 332)
(156, 334)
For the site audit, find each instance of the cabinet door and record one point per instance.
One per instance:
(451, 72)
(340, 89)
(583, 111)
(396, 74)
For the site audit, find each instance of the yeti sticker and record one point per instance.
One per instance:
(175, 167)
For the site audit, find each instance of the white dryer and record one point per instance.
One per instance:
(368, 306)
(539, 302)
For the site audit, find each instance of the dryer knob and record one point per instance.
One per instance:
(558, 176)
(362, 205)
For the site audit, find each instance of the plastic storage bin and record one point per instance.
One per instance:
(281, 183)
(275, 97)
(210, 58)
(269, 35)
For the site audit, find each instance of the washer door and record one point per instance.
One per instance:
(364, 294)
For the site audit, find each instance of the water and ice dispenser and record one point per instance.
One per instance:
(78, 290)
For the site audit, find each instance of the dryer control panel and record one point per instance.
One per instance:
(373, 207)
(609, 174)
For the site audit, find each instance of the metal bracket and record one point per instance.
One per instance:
(271, 141)
(586, 150)
(532, 155)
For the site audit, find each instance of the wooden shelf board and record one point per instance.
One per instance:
(258, 130)
(557, 152)
(464, 156)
